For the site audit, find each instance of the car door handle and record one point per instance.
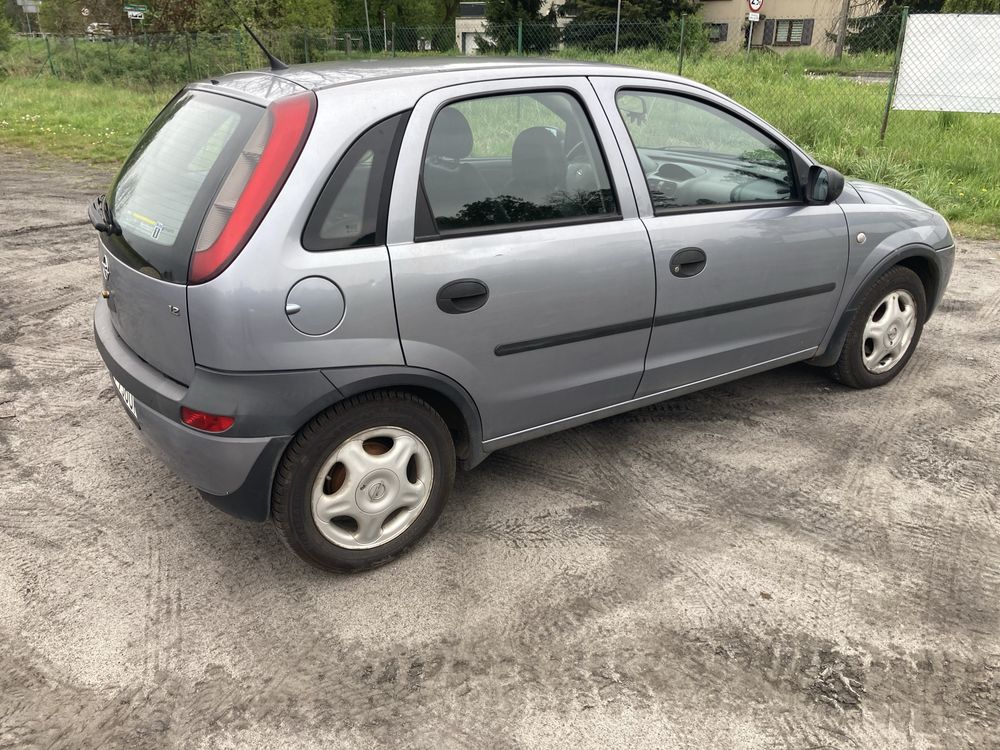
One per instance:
(462, 296)
(688, 261)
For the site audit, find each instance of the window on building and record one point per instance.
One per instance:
(789, 31)
(717, 32)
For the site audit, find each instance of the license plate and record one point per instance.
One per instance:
(128, 400)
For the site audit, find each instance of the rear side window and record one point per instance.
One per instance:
(351, 210)
(496, 162)
(166, 186)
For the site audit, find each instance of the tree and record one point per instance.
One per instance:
(644, 23)
(213, 15)
(61, 17)
(972, 6)
(539, 33)
(6, 33)
(351, 13)
(172, 16)
(879, 31)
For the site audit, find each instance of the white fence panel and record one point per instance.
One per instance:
(950, 63)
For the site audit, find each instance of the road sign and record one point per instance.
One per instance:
(135, 15)
(137, 7)
(753, 16)
(755, 6)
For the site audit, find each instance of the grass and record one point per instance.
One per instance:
(83, 121)
(950, 161)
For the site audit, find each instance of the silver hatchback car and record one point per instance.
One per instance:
(327, 285)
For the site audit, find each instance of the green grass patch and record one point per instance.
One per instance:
(950, 161)
(83, 121)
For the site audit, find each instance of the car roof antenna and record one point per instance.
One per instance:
(273, 61)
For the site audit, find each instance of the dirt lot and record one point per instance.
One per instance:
(779, 562)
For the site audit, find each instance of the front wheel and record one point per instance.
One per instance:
(363, 481)
(885, 330)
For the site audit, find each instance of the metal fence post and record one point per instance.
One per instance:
(239, 46)
(680, 56)
(48, 53)
(393, 38)
(76, 53)
(149, 54)
(904, 14)
(187, 48)
(520, 37)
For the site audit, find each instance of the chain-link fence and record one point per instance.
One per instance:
(179, 57)
(803, 74)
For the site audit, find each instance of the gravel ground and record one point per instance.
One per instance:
(779, 562)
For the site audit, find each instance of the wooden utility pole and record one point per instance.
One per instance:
(845, 11)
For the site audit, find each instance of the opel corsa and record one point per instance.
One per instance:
(326, 286)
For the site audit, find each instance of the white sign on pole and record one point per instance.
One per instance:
(753, 16)
(135, 15)
(950, 63)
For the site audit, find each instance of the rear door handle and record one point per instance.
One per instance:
(462, 296)
(688, 261)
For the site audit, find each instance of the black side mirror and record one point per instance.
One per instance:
(824, 186)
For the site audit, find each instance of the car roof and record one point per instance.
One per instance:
(445, 71)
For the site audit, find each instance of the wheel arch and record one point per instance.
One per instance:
(919, 258)
(444, 395)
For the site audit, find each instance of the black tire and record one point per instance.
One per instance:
(850, 368)
(291, 498)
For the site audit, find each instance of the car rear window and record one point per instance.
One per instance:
(165, 188)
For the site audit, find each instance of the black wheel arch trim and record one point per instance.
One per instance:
(252, 500)
(831, 354)
(350, 381)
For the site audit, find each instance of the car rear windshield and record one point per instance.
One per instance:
(165, 188)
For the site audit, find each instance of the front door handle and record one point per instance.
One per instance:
(462, 296)
(688, 261)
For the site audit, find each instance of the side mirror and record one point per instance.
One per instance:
(824, 186)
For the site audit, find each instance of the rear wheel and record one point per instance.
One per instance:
(363, 481)
(885, 330)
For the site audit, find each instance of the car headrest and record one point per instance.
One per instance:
(451, 136)
(537, 158)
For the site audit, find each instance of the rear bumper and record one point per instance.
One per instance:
(233, 472)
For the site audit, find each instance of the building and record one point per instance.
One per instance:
(471, 21)
(783, 25)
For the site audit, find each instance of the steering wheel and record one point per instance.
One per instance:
(574, 153)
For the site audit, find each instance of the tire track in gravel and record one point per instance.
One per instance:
(612, 571)
(21, 231)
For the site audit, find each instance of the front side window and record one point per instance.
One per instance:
(696, 155)
(500, 161)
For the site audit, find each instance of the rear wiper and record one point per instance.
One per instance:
(101, 217)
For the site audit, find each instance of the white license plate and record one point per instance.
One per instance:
(127, 399)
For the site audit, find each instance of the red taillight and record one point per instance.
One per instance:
(252, 185)
(204, 421)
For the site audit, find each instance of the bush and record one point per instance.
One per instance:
(6, 34)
